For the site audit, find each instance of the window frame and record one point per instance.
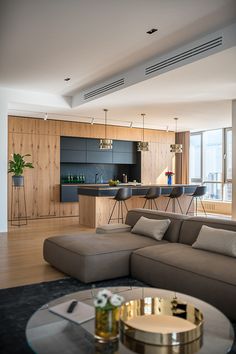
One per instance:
(224, 162)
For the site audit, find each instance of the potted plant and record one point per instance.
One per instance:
(17, 166)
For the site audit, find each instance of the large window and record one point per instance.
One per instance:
(195, 153)
(211, 162)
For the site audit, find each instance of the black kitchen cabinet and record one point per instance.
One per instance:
(100, 156)
(123, 158)
(81, 150)
(73, 156)
(69, 193)
(68, 143)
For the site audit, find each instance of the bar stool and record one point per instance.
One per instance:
(174, 195)
(199, 192)
(121, 196)
(152, 194)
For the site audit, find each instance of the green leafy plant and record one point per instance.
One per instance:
(18, 164)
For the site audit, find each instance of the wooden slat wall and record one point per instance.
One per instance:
(41, 139)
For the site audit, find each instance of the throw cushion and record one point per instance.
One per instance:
(216, 240)
(110, 228)
(151, 228)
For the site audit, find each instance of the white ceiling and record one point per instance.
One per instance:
(42, 42)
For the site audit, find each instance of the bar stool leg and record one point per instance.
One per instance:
(145, 204)
(122, 216)
(203, 207)
(167, 204)
(189, 206)
(154, 200)
(179, 205)
(112, 212)
(196, 207)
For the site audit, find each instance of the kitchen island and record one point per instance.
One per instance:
(96, 201)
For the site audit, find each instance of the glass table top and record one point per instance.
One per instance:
(48, 333)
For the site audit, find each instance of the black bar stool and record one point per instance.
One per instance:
(174, 195)
(152, 194)
(200, 191)
(121, 196)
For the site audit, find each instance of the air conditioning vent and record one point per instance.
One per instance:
(104, 88)
(185, 55)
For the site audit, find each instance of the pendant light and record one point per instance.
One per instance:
(176, 148)
(143, 145)
(105, 144)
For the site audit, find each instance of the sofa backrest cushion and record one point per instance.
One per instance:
(172, 233)
(191, 227)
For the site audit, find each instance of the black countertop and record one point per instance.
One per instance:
(137, 189)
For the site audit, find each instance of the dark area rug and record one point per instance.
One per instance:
(19, 303)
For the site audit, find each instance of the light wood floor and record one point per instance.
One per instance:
(21, 259)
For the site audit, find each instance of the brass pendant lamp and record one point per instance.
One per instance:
(105, 144)
(143, 145)
(176, 148)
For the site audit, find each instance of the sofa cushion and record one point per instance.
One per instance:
(151, 228)
(112, 228)
(92, 257)
(207, 264)
(216, 240)
(191, 227)
(172, 233)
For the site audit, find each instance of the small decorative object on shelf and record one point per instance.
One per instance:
(169, 175)
(107, 306)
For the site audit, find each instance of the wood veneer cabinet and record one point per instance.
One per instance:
(41, 139)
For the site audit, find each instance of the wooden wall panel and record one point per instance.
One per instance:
(47, 175)
(155, 162)
(21, 125)
(41, 139)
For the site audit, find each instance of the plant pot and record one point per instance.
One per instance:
(18, 181)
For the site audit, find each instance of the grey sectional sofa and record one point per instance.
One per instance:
(170, 264)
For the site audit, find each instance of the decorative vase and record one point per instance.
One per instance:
(169, 180)
(18, 181)
(107, 323)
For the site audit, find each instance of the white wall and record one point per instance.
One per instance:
(3, 160)
(234, 159)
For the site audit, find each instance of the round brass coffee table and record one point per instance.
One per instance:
(48, 333)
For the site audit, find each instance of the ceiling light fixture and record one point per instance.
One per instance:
(105, 144)
(92, 121)
(45, 116)
(143, 145)
(176, 148)
(152, 30)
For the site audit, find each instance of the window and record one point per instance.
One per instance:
(228, 157)
(211, 162)
(212, 155)
(195, 153)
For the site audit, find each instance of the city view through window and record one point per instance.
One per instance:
(211, 162)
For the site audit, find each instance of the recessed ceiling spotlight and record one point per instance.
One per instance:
(67, 79)
(152, 30)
